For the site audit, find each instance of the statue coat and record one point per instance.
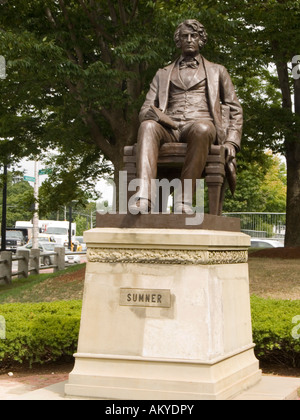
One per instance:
(224, 106)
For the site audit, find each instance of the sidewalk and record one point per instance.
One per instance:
(12, 388)
(51, 387)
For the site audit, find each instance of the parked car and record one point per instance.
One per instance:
(71, 258)
(42, 238)
(48, 248)
(14, 239)
(45, 248)
(265, 243)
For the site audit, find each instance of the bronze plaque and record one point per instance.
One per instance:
(160, 298)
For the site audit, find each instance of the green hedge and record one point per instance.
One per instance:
(276, 330)
(41, 332)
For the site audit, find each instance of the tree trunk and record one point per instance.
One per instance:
(292, 236)
(292, 154)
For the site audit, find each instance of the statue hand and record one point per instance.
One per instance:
(230, 151)
(150, 115)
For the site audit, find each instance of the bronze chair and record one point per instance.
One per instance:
(170, 162)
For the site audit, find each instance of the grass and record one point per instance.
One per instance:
(269, 278)
(275, 278)
(46, 287)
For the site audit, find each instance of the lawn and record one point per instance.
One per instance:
(275, 278)
(269, 278)
(46, 287)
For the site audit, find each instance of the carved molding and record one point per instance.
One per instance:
(170, 256)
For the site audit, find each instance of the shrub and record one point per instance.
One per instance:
(274, 333)
(39, 332)
(48, 331)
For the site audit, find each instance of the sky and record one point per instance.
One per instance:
(102, 186)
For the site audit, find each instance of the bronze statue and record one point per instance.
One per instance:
(191, 100)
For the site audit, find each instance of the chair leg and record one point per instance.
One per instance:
(214, 185)
(222, 196)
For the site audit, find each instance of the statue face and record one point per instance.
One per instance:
(189, 40)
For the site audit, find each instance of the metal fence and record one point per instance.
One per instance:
(261, 225)
(29, 262)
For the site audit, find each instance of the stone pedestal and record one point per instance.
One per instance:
(166, 315)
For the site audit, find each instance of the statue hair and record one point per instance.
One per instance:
(195, 26)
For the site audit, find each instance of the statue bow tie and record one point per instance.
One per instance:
(193, 64)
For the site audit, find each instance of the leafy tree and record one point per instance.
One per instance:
(84, 216)
(78, 72)
(70, 180)
(273, 188)
(266, 37)
(261, 186)
(81, 224)
(19, 199)
(282, 45)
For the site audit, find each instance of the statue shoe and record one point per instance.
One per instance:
(142, 205)
(184, 208)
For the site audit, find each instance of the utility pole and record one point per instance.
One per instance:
(4, 199)
(35, 220)
(3, 222)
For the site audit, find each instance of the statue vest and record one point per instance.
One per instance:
(188, 103)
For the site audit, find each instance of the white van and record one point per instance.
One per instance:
(57, 230)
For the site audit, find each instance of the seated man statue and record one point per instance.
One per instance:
(185, 104)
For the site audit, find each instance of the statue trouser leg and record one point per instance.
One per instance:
(150, 137)
(199, 136)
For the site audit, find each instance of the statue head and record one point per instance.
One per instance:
(194, 26)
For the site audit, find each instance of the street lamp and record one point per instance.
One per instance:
(70, 223)
(70, 227)
(3, 224)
